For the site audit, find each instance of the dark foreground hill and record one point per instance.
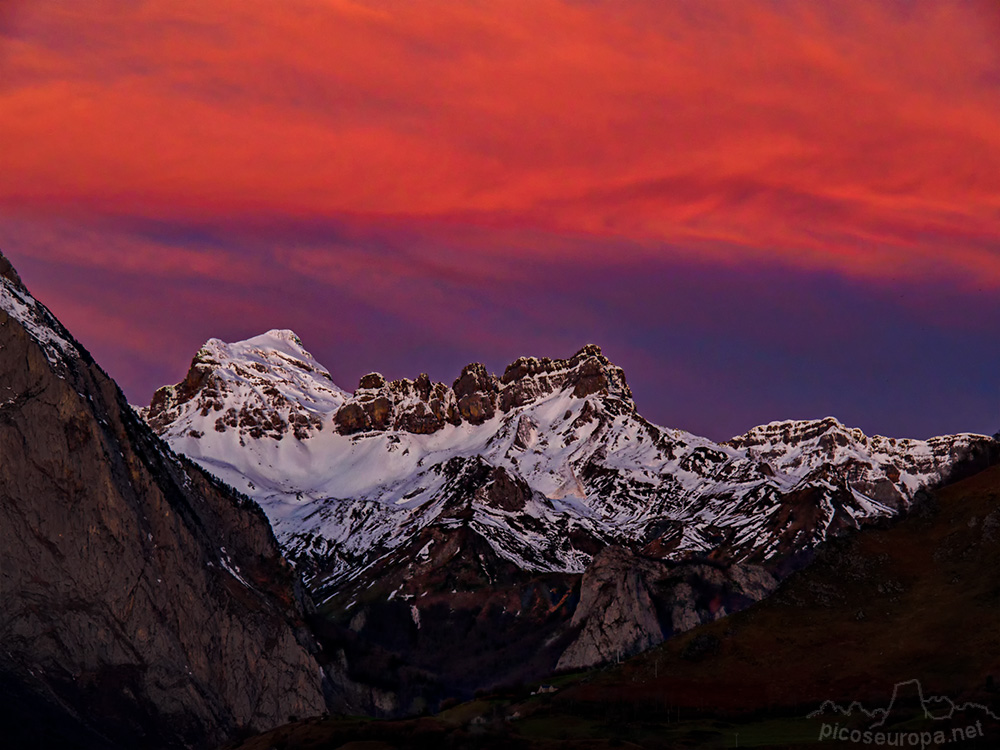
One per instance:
(904, 618)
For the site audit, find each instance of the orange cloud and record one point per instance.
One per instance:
(860, 136)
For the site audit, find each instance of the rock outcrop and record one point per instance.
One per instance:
(416, 406)
(629, 604)
(144, 602)
(587, 372)
(422, 407)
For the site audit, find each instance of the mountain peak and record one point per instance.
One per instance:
(421, 406)
(791, 431)
(279, 340)
(588, 372)
(266, 385)
(16, 302)
(8, 272)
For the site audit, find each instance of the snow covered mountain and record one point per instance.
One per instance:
(548, 464)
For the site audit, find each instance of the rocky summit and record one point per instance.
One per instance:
(144, 603)
(422, 407)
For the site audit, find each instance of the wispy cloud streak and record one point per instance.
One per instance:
(860, 137)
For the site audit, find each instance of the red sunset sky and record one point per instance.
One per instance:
(761, 210)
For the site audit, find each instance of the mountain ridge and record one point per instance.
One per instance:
(568, 427)
(546, 465)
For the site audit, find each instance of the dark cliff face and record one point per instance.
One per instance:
(140, 598)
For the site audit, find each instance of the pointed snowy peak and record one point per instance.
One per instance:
(281, 348)
(265, 386)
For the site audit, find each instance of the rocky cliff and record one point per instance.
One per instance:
(144, 603)
(629, 604)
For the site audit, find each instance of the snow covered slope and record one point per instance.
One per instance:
(549, 463)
